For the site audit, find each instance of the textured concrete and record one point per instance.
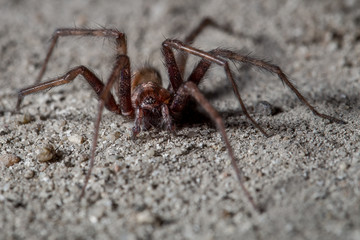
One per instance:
(166, 186)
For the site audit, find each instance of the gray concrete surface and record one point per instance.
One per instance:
(165, 186)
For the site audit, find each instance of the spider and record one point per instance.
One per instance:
(141, 96)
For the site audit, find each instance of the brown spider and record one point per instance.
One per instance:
(142, 96)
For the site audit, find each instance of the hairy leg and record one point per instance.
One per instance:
(120, 73)
(190, 88)
(121, 68)
(88, 75)
(182, 57)
(221, 57)
(276, 70)
(180, 100)
(120, 38)
(205, 23)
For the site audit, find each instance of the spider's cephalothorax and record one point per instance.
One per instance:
(150, 101)
(142, 97)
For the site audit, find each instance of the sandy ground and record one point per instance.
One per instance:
(166, 186)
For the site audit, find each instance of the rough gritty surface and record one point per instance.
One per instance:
(165, 186)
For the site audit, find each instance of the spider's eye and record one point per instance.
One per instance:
(149, 101)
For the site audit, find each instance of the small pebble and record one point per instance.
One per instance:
(113, 136)
(26, 118)
(150, 153)
(29, 174)
(265, 108)
(117, 168)
(145, 217)
(343, 166)
(46, 153)
(176, 151)
(83, 158)
(9, 159)
(76, 139)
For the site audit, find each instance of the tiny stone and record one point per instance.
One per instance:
(176, 151)
(43, 168)
(343, 166)
(76, 139)
(26, 118)
(29, 174)
(84, 158)
(46, 153)
(62, 123)
(145, 217)
(150, 153)
(113, 136)
(117, 134)
(265, 108)
(9, 159)
(117, 168)
(97, 213)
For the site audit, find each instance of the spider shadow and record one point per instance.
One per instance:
(194, 115)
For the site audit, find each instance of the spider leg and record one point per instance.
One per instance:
(205, 22)
(88, 75)
(276, 70)
(220, 56)
(190, 88)
(120, 71)
(64, 32)
(175, 78)
(122, 66)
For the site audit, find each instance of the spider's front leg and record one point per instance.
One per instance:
(121, 67)
(121, 71)
(189, 88)
(88, 75)
(219, 57)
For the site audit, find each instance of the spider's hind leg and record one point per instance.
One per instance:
(207, 58)
(222, 57)
(276, 70)
(204, 23)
